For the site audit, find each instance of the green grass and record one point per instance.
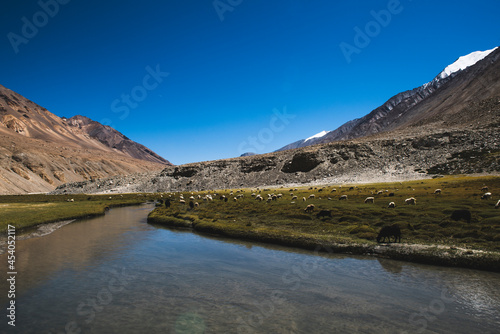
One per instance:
(428, 222)
(24, 211)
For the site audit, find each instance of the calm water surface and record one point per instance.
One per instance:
(117, 274)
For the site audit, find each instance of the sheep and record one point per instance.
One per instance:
(279, 195)
(485, 188)
(437, 191)
(235, 199)
(486, 196)
(324, 213)
(388, 232)
(497, 205)
(191, 204)
(461, 214)
(167, 203)
(333, 190)
(303, 199)
(380, 192)
(294, 198)
(391, 195)
(369, 200)
(182, 201)
(343, 198)
(192, 198)
(70, 200)
(311, 196)
(391, 205)
(309, 208)
(411, 201)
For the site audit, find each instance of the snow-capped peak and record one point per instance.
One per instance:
(464, 62)
(318, 135)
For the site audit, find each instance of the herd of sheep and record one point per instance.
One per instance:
(385, 233)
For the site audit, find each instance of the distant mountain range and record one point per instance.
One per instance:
(39, 150)
(423, 105)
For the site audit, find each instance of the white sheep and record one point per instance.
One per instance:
(311, 196)
(411, 201)
(486, 196)
(343, 198)
(497, 205)
(437, 191)
(294, 198)
(370, 200)
(391, 205)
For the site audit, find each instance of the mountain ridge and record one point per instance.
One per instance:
(39, 150)
(384, 118)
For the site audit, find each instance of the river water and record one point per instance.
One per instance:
(118, 274)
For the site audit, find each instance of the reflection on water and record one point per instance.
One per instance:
(117, 274)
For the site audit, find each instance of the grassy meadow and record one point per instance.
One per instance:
(24, 211)
(353, 222)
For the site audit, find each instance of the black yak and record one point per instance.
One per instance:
(324, 213)
(461, 214)
(388, 232)
(167, 203)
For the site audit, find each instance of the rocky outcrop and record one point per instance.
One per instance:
(383, 159)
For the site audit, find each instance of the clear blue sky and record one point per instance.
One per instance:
(229, 67)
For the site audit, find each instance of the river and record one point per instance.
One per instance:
(118, 274)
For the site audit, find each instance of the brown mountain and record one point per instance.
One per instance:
(39, 150)
(438, 105)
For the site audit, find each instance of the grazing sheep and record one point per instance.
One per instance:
(343, 198)
(225, 199)
(196, 204)
(411, 201)
(235, 199)
(369, 200)
(324, 213)
(309, 208)
(391, 205)
(437, 191)
(329, 198)
(380, 192)
(388, 232)
(461, 214)
(303, 199)
(333, 190)
(191, 197)
(485, 188)
(391, 195)
(70, 200)
(486, 196)
(182, 201)
(279, 195)
(191, 204)
(311, 196)
(294, 198)
(497, 205)
(320, 190)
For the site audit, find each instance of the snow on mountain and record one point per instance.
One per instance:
(318, 135)
(464, 62)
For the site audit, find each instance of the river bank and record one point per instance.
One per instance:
(429, 235)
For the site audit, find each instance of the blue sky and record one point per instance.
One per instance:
(198, 80)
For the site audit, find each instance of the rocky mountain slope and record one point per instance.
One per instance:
(39, 150)
(449, 126)
(475, 76)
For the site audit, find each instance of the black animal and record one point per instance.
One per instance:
(167, 203)
(391, 194)
(225, 199)
(324, 213)
(191, 204)
(388, 232)
(461, 214)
